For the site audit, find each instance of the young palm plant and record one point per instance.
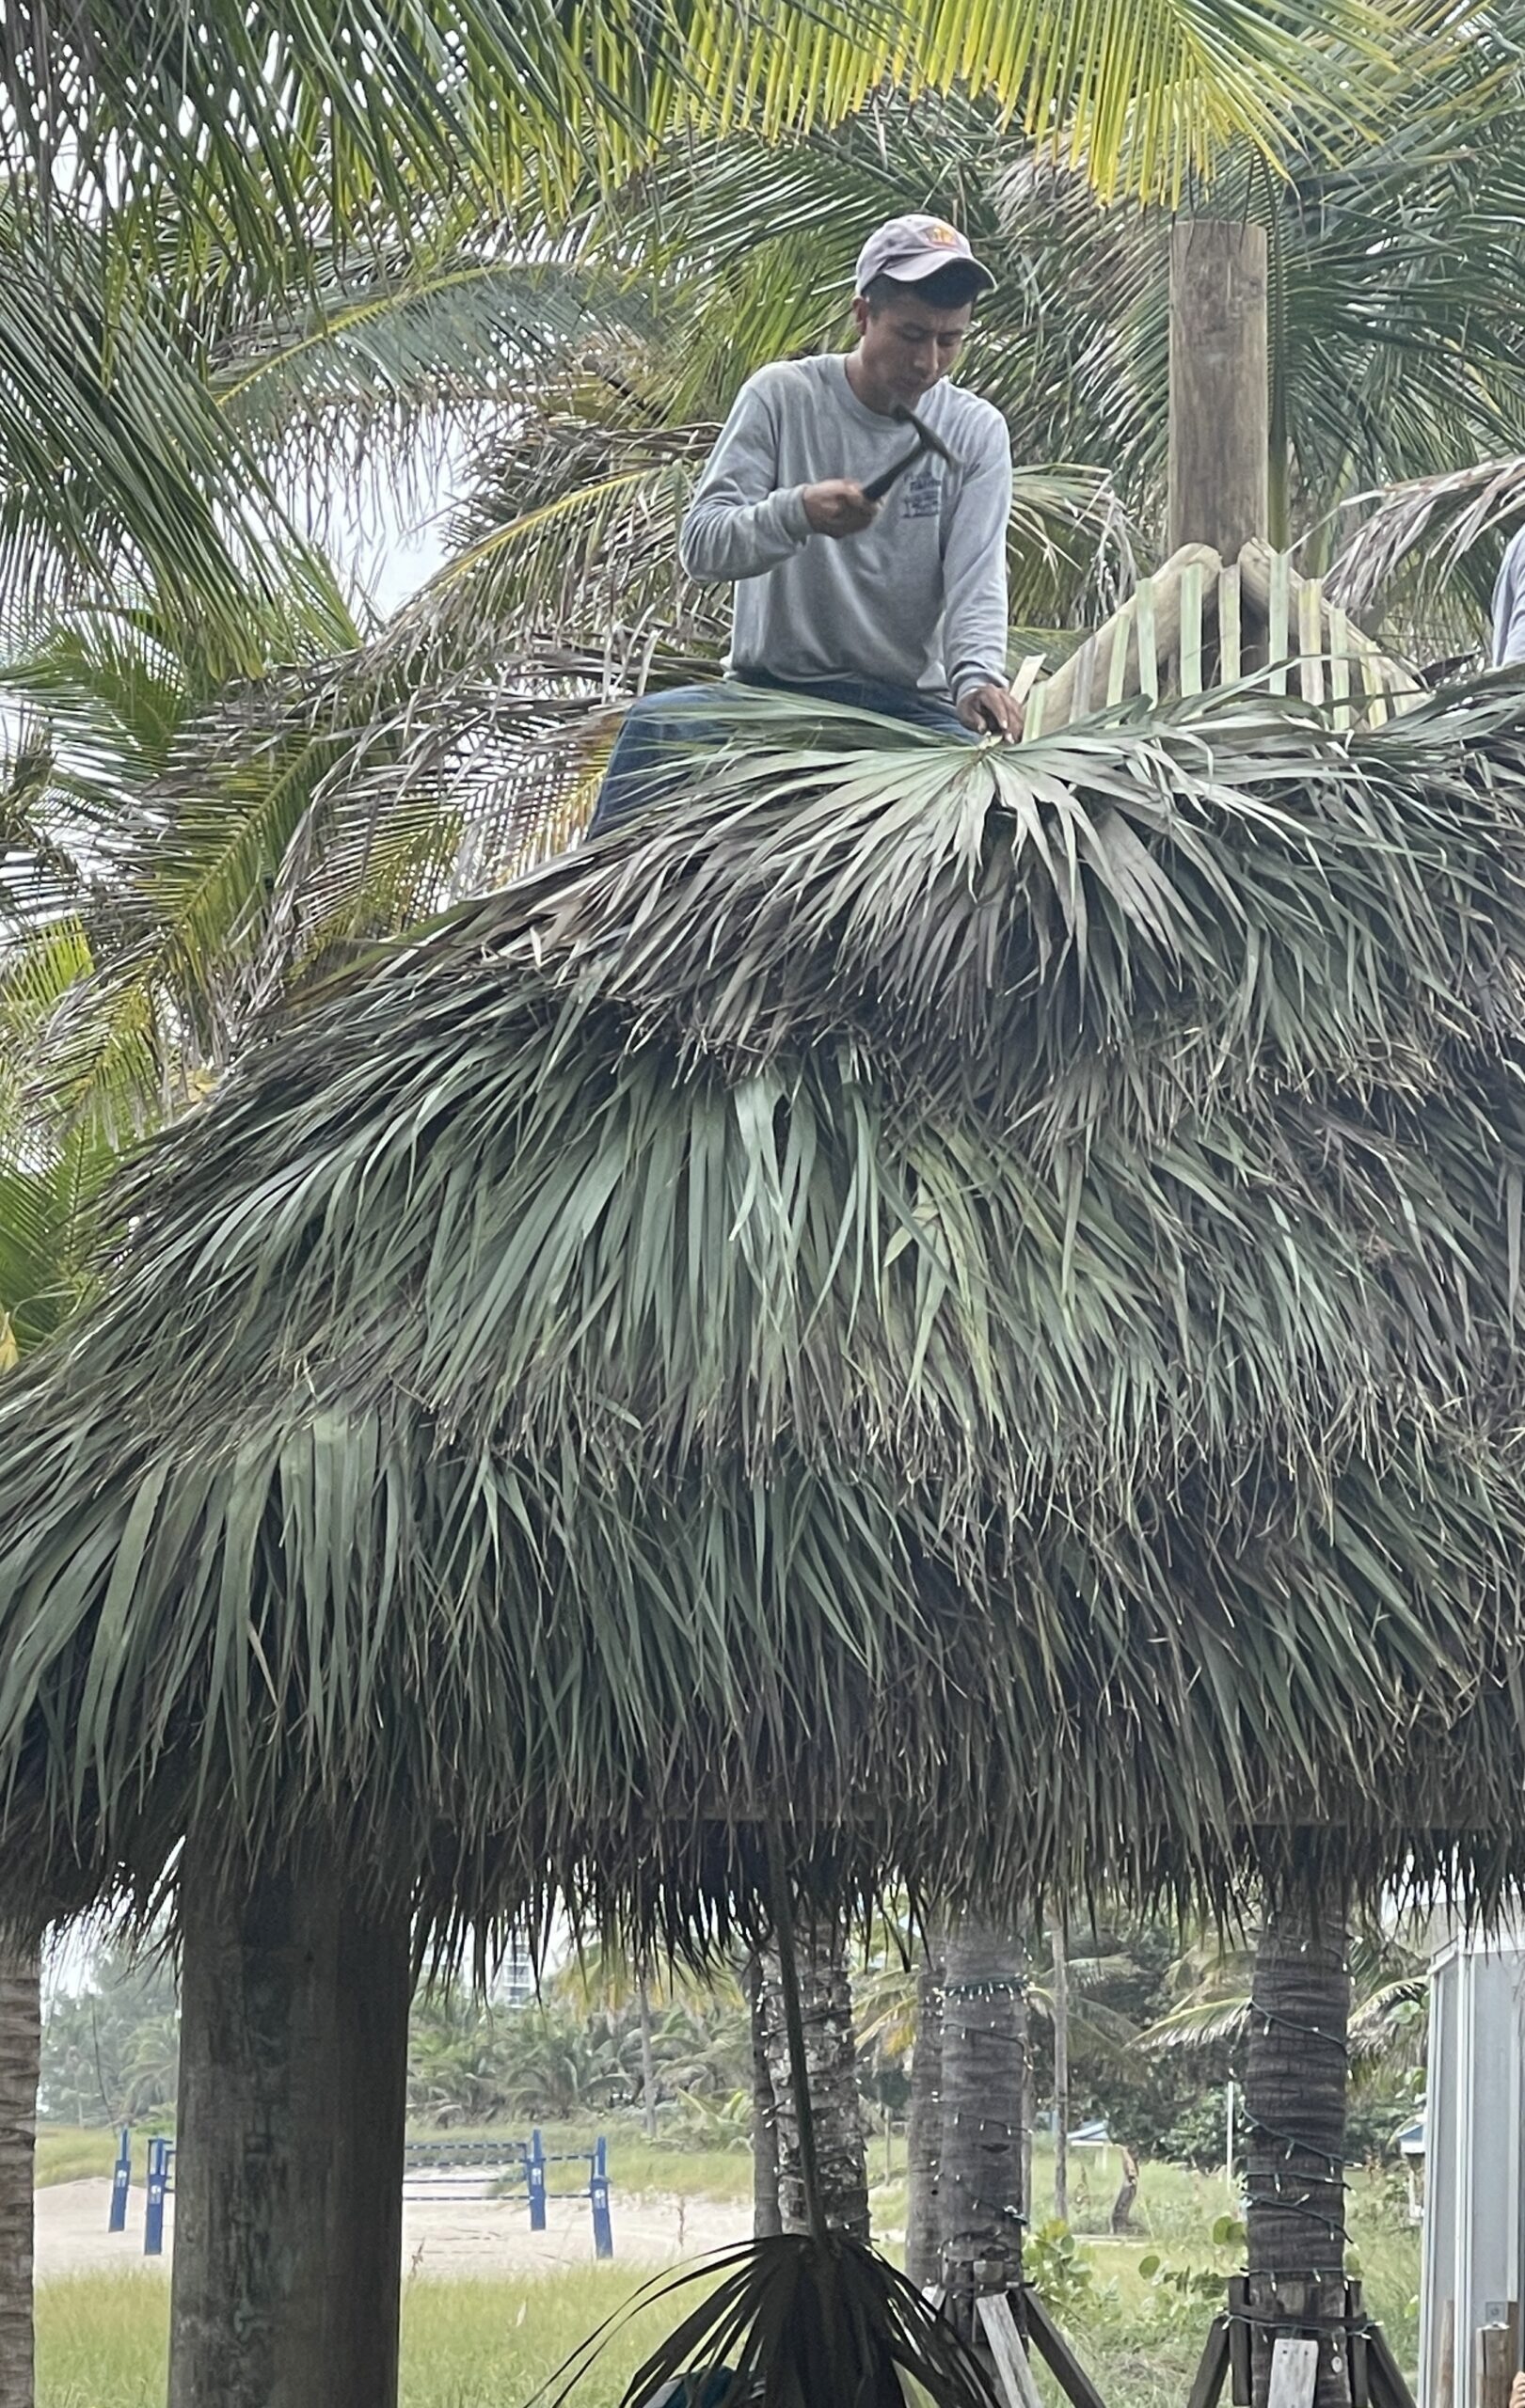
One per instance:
(811, 2317)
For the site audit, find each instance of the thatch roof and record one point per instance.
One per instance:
(968, 1296)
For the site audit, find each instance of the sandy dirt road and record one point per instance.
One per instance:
(441, 2236)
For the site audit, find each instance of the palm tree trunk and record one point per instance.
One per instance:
(649, 2071)
(924, 2124)
(289, 2157)
(1061, 2079)
(765, 2218)
(832, 2059)
(20, 2051)
(984, 2047)
(1296, 2070)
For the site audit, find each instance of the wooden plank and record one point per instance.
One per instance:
(1191, 631)
(1359, 687)
(1149, 657)
(1388, 2389)
(1446, 2367)
(1117, 676)
(1239, 2348)
(1378, 709)
(1494, 2371)
(1294, 2371)
(1230, 626)
(1219, 442)
(1076, 686)
(1014, 2373)
(1341, 649)
(1057, 2356)
(1212, 2367)
(1278, 616)
(1360, 2384)
(1311, 646)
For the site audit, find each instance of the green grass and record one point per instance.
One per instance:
(67, 2153)
(101, 2340)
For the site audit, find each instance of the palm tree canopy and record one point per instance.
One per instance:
(914, 1264)
(265, 121)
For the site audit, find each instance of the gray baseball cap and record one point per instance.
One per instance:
(909, 248)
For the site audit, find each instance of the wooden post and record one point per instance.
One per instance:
(1239, 2352)
(1445, 2372)
(1494, 2369)
(1057, 2355)
(1219, 384)
(289, 2151)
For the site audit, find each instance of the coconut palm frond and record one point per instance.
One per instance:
(246, 126)
(48, 1228)
(181, 851)
(242, 127)
(1197, 81)
(578, 557)
(1102, 2029)
(1199, 2023)
(383, 382)
(117, 474)
(1428, 530)
(1389, 2023)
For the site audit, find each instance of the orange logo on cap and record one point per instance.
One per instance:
(940, 235)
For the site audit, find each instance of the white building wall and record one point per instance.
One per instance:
(1474, 2161)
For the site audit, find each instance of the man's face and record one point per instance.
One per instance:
(907, 346)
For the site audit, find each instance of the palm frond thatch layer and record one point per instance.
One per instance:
(956, 1286)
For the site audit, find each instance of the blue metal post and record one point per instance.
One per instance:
(535, 2175)
(158, 2185)
(121, 2182)
(603, 2231)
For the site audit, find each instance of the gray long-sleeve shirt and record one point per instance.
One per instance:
(1509, 605)
(919, 598)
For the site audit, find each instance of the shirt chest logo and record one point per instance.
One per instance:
(922, 492)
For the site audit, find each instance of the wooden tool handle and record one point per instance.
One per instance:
(888, 477)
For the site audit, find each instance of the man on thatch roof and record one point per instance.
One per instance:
(867, 572)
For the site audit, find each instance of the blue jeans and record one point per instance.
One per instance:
(660, 731)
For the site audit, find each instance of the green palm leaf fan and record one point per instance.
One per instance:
(797, 2319)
